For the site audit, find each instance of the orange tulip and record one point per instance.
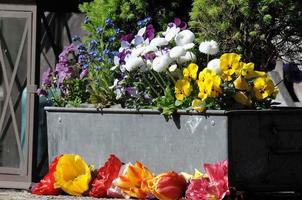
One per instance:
(133, 180)
(168, 186)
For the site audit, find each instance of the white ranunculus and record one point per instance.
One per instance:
(209, 47)
(171, 32)
(161, 63)
(215, 65)
(188, 57)
(149, 49)
(184, 37)
(133, 62)
(158, 42)
(176, 52)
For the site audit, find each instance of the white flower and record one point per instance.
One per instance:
(137, 51)
(161, 63)
(188, 46)
(141, 31)
(215, 65)
(158, 42)
(171, 32)
(188, 57)
(184, 37)
(133, 62)
(149, 49)
(176, 52)
(209, 47)
(137, 40)
(173, 67)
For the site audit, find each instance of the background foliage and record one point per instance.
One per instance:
(260, 30)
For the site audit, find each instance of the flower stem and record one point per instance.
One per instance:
(171, 76)
(150, 85)
(208, 58)
(157, 80)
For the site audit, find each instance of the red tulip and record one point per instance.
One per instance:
(168, 186)
(105, 176)
(46, 185)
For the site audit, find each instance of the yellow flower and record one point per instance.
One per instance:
(263, 87)
(229, 65)
(134, 179)
(209, 84)
(241, 84)
(197, 105)
(198, 174)
(241, 98)
(182, 89)
(72, 175)
(248, 72)
(168, 186)
(190, 71)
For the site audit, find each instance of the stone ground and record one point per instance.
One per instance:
(6, 194)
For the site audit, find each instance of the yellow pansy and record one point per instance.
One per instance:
(197, 105)
(248, 72)
(182, 89)
(191, 71)
(242, 98)
(216, 90)
(263, 87)
(241, 84)
(229, 65)
(209, 84)
(72, 175)
(204, 89)
(134, 180)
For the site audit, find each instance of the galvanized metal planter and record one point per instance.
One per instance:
(264, 148)
(182, 143)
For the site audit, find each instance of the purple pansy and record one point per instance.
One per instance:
(149, 33)
(178, 23)
(46, 77)
(128, 38)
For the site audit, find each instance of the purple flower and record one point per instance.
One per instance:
(128, 38)
(149, 33)
(99, 30)
(181, 24)
(112, 39)
(100, 58)
(83, 74)
(45, 77)
(41, 92)
(132, 91)
(117, 30)
(76, 38)
(122, 55)
(150, 56)
(109, 21)
(64, 57)
(293, 72)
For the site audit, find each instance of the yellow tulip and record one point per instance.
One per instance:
(241, 84)
(241, 98)
(190, 71)
(197, 105)
(248, 72)
(229, 65)
(182, 89)
(263, 87)
(134, 179)
(72, 175)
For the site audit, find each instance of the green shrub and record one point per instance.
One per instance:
(260, 30)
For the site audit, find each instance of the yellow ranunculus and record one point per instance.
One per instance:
(72, 174)
(133, 180)
(229, 65)
(263, 87)
(182, 89)
(242, 98)
(197, 105)
(248, 72)
(190, 71)
(241, 84)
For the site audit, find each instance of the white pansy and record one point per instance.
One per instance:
(133, 62)
(124, 45)
(209, 47)
(149, 49)
(215, 65)
(161, 63)
(176, 52)
(184, 37)
(188, 46)
(137, 40)
(188, 57)
(158, 42)
(116, 60)
(138, 51)
(141, 31)
(171, 32)
(173, 67)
